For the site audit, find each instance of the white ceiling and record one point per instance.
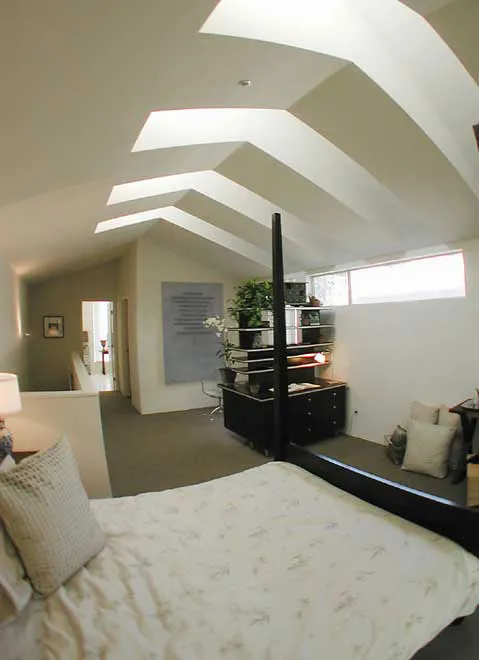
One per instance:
(80, 80)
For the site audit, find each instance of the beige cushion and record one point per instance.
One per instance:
(450, 419)
(7, 463)
(15, 591)
(47, 514)
(428, 447)
(422, 413)
(456, 454)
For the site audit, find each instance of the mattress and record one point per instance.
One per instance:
(270, 563)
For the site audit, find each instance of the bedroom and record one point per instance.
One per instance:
(93, 83)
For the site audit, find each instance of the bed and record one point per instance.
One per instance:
(271, 563)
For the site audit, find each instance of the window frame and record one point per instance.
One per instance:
(391, 262)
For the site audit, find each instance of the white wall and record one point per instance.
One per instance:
(47, 416)
(156, 264)
(12, 322)
(393, 353)
(128, 289)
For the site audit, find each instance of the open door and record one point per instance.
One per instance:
(98, 343)
(124, 348)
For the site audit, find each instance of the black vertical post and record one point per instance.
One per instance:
(280, 375)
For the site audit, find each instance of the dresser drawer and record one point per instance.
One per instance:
(317, 415)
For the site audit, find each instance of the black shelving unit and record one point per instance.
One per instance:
(262, 406)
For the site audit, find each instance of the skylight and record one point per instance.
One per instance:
(231, 194)
(193, 224)
(300, 148)
(390, 43)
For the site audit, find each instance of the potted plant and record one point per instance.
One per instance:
(225, 350)
(250, 299)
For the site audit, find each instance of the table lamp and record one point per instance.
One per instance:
(10, 403)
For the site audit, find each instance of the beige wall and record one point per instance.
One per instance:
(157, 263)
(48, 416)
(127, 289)
(12, 314)
(49, 359)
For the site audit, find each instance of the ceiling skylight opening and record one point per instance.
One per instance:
(301, 148)
(194, 225)
(218, 187)
(180, 128)
(393, 45)
(127, 220)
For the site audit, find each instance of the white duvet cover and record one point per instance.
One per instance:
(272, 564)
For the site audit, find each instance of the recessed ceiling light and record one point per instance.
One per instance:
(244, 83)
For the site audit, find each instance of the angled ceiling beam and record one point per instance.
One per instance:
(390, 43)
(290, 141)
(314, 246)
(192, 224)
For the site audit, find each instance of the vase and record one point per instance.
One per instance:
(228, 376)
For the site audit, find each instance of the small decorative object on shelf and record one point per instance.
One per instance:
(252, 297)
(314, 302)
(225, 350)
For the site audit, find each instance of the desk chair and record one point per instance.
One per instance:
(213, 390)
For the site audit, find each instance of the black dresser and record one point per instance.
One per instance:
(313, 414)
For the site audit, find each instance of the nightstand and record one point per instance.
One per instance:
(22, 453)
(473, 484)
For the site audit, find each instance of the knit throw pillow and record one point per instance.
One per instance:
(47, 515)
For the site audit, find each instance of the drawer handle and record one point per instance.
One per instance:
(309, 412)
(334, 407)
(334, 422)
(309, 399)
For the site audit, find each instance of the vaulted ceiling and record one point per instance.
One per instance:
(128, 118)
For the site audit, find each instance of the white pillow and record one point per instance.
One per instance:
(423, 413)
(47, 514)
(7, 463)
(15, 591)
(428, 447)
(446, 418)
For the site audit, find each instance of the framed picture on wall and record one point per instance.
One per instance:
(53, 327)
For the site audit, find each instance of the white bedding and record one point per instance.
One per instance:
(272, 564)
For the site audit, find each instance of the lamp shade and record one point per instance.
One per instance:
(10, 402)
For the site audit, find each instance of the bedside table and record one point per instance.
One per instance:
(473, 484)
(21, 454)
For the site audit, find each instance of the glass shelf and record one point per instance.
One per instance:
(270, 327)
(289, 347)
(288, 308)
(269, 359)
(307, 365)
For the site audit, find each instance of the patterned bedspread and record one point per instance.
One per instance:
(272, 564)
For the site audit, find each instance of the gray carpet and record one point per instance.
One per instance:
(371, 457)
(156, 452)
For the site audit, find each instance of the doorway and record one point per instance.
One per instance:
(98, 343)
(124, 348)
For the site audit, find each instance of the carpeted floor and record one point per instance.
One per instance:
(156, 452)
(371, 457)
